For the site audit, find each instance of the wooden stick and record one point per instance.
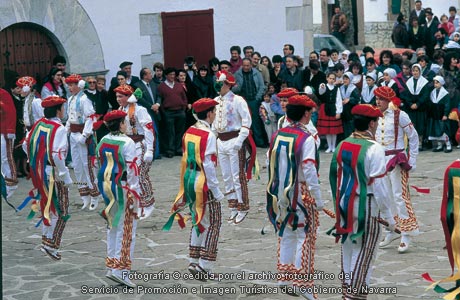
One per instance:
(331, 214)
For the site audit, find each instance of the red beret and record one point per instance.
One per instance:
(74, 78)
(226, 77)
(124, 89)
(52, 101)
(114, 114)
(26, 80)
(287, 92)
(301, 100)
(396, 101)
(367, 110)
(385, 93)
(204, 104)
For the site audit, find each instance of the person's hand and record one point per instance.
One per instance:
(82, 139)
(155, 107)
(319, 204)
(444, 118)
(346, 100)
(148, 156)
(414, 106)
(237, 146)
(68, 180)
(337, 116)
(11, 136)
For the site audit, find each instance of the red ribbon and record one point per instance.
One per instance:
(59, 153)
(149, 126)
(133, 165)
(420, 190)
(133, 192)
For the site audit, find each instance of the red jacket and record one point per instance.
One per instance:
(7, 113)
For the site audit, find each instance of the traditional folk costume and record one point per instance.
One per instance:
(351, 93)
(46, 146)
(293, 198)
(232, 124)
(367, 94)
(33, 110)
(331, 105)
(439, 107)
(391, 83)
(199, 191)
(359, 195)
(393, 129)
(139, 127)
(268, 117)
(118, 182)
(80, 126)
(7, 135)
(416, 93)
(450, 219)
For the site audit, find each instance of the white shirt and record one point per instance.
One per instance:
(208, 165)
(141, 126)
(386, 135)
(81, 115)
(36, 110)
(232, 114)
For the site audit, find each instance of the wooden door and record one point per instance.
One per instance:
(188, 33)
(27, 49)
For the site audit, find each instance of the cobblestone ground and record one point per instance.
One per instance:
(28, 274)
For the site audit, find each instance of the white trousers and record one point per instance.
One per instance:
(358, 258)
(203, 247)
(8, 164)
(400, 207)
(115, 240)
(297, 249)
(230, 164)
(80, 161)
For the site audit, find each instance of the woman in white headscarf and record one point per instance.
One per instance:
(438, 112)
(388, 80)
(415, 99)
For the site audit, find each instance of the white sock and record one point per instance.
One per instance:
(333, 141)
(329, 141)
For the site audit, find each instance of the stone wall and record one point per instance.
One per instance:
(378, 34)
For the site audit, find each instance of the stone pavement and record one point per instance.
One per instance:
(161, 257)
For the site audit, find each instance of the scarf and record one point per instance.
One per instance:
(436, 97)
(421, 82)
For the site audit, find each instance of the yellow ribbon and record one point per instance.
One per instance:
(107, 187)
(46, 213)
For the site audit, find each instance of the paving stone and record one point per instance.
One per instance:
(243, 250)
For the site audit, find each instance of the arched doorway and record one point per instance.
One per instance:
(28, 49)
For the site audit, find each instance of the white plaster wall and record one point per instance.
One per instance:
(260, 23)
(317, 14)
(440, 7)
(375, 10)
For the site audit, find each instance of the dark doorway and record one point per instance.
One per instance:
(188, 33)
(27, 49)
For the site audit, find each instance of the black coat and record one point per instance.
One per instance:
(417, 40)
(314, 82)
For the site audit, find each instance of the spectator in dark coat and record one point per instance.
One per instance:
(416, 35)
(400, 36)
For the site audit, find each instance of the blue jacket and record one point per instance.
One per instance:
(258, 80)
